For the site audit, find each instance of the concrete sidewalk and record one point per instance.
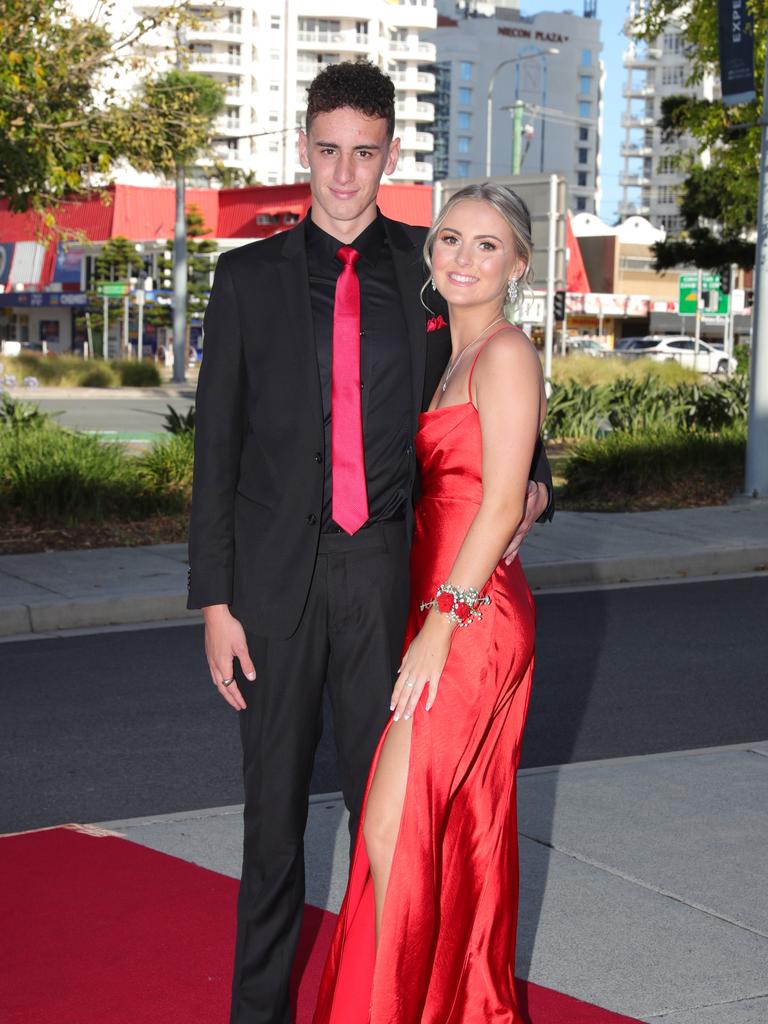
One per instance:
(110, 586)
(642, 879)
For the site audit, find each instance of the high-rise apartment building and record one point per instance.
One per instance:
(551, 62)
(266, 52)
(651, 180)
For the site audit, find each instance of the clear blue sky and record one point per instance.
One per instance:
(611, 14)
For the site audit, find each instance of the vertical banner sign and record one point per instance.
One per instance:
(737, 52)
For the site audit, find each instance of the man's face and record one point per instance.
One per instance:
(346, 153)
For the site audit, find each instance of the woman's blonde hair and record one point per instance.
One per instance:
(512, 209)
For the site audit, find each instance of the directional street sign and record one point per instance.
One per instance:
(713, 300)
(112, 289)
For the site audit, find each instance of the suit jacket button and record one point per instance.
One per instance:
(318, 457)
(311, 519)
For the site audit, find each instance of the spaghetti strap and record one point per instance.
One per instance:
(477, 354)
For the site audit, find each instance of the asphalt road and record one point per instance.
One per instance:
(116, 725)
(133, 416)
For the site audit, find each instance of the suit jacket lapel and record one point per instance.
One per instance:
(408, 269)
(297, 304)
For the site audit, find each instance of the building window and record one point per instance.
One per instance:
(232, 145)
(273, 117)
(581, 203)
(586, 58)
(581, 179)
(583, 155)
(466, 71)
(274, 87)
(465, 96)
(465, 120)
(274, 147)
(274, 55)
(585, 85)
(462, 168)
(666, 165)
(673, 42)
(583, 133)
(274, 21)
(463, 144)
(584, 108)
(673, 75)
(667, 194)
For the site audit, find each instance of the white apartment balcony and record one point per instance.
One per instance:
(412, 14)
(421, 142)
(347, 39)
(412, 170)
(415, 110)
(634, 180)
(215, 28)
(307, 69)
(638, 91)
(227, 129)
(636, 149)
(637, 121)
(414, 80)
(649, 59)
(226, 63)
(427, 52)
(634, 209)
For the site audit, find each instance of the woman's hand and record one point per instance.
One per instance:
(422, 664)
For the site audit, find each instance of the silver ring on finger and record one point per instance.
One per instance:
(409, 686)
(227, 682)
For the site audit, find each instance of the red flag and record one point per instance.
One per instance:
(575, 274)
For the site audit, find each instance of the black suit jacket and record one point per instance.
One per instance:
(257, 493)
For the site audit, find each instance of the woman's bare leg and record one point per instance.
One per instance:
(384, 809)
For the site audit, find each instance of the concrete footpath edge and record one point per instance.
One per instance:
(143, 608)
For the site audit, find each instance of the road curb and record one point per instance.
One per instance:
(129, 609)
(82, 613)
(640, 568)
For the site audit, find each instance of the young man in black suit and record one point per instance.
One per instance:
(326, 314)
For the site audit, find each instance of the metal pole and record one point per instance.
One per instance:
(88, 347)
(126, 345)
(543, 117)
(549, 318)
(756, 477)
(140, 328)
(517, 136)
(179, 282)
(734, 269)
(697, 327)
(437, 199)
(105, 336)
(489, 111)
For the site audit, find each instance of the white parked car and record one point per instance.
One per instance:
(682, 349)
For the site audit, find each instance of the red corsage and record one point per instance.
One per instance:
(436, 323)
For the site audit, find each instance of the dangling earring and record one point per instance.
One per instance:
(511, 292)
(434, 286)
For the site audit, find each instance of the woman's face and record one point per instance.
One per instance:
(474, 255)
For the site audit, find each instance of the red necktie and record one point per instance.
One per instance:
(349, 499)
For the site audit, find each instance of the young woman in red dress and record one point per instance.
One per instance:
(426, 934)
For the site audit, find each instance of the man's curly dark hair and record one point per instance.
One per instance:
(356, 84)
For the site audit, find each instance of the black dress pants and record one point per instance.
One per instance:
(350, 640)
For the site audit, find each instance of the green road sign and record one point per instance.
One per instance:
(713, 303)
(112, 289)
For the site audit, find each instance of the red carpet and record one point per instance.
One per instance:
(99, 930)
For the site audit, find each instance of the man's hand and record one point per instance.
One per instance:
(536, 500)
(225, 641)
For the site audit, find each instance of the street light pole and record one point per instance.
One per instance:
(489, 115)
(756, 476)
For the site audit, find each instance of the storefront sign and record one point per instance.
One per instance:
(36, 300)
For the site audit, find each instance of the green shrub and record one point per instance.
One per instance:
(56, 475)
(587, 370)
(134, 374)
(18, 415)
(180, 422)
(741, 354)
(166, 469)
(630, 404)
(97, 375)
(671, 467)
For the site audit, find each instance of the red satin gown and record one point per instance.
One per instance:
(447, 945)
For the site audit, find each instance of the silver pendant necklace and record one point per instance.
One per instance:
(458, 359)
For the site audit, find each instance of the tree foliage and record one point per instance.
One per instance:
(64, 119)
(719, 199)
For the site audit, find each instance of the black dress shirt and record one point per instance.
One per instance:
(385, 366)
